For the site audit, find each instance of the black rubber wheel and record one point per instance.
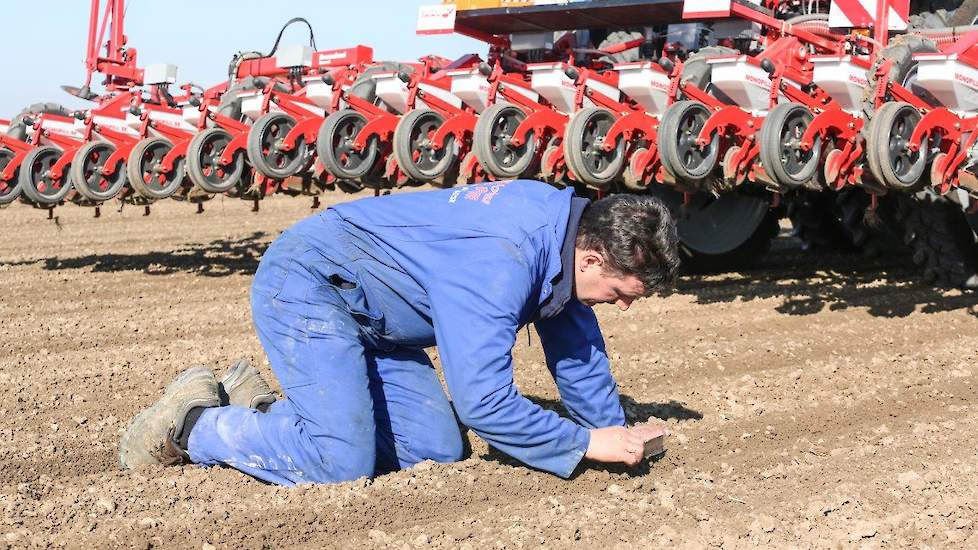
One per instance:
(36, 183)
(413, 146)
(583, 153)
(815, 221)
(899, 168)
(143, 169)
(780, 140)
(872, 231)
(264, 141)
(681, 156)
(491, 142)
(723, 233)
(942, 241)
(86, 172)
(335, 146)
(203, 162)
(9, 191)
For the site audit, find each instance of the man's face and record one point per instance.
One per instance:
(594, 283)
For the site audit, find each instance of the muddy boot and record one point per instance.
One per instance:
(242, 385)
(152, 435)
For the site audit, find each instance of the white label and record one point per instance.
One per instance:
(862, 13)
(436, 19)
(696, 9)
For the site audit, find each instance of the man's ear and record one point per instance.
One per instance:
(589, 258)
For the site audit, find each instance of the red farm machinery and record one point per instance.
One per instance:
(856, 119)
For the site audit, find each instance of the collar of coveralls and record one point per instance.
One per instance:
(563, 285)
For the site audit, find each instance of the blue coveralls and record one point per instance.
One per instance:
(345, 302)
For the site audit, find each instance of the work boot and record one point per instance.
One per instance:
(152, 435)
(242, 385)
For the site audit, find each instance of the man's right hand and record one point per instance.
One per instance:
(621, 444)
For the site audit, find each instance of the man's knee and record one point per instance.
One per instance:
(443, 445)
(337, 467)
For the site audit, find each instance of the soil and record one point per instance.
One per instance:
(815, 401)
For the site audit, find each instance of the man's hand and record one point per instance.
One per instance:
(620, 444)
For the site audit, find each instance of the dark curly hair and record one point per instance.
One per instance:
(637, 236)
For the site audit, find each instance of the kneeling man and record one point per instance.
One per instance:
(345, 302)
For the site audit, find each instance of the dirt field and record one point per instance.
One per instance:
(831, 403)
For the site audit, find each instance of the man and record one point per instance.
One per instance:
(345, 302)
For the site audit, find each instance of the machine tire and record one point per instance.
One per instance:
(365, 87)
(936, 19)
(901, 50)
(203, 168)
(592, 166)
(18, 129)
(898, 167)
(32, 176)
(409, 140)
(815, 220)
(724, 233)
(488, 147)
(230, 103)
(84, 176)
(966, 14)
(697, 71)
(873, 232)
(140, 169)
(942, 241)
(9, 192)
(344, 125)
(680, 125)
(787, 164)
(620, 37)
(262, 136)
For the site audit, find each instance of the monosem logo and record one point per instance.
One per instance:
(969, 81)
(659, 85)
(331, 56)
(762, 82)
(857, 80)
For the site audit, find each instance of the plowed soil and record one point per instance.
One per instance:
(815, 401)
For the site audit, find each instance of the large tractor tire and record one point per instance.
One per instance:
(365, 87)
(930, 20)
(815, 220)
(230, 103)
(942, 241)
(698, 72)
(620, 37)
(903, 70)
(965, 14)
(872, 231)
(725, 233)
(18, 128)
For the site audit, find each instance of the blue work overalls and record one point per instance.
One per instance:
(345, 302)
